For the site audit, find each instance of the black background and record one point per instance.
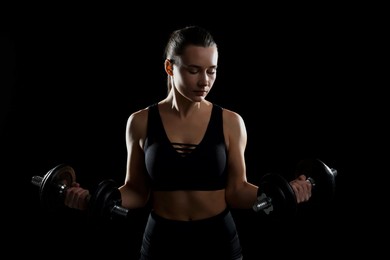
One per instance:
(72, 80)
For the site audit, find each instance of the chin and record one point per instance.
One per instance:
(198, 99)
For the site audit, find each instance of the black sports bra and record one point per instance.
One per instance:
(197, 167)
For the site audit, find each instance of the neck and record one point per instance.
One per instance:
(181, 105)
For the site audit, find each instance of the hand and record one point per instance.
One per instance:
(77, 197)
(302, 188)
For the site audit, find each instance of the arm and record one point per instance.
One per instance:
(239, 192)
(135, 190)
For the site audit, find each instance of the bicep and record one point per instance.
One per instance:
(239, 192)
(136, 180)
(237, 139)
(135, 166)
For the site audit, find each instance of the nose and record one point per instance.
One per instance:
(204, 79)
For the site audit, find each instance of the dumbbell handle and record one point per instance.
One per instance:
(312, 181)
(265, 203)
(118, 210)
(37, 181)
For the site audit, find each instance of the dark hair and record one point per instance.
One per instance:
(181, 38)
(190, 35)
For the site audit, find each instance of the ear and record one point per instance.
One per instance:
(168, 67)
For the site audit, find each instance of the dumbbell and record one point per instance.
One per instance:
(276, 196)
(104, 202)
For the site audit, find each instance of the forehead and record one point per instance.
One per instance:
(207, 56)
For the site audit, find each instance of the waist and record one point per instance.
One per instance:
(210, 219)
(188, 184)
(188, 205)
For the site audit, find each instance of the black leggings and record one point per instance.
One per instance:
(211, 238)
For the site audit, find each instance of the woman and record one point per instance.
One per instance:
(186, 158)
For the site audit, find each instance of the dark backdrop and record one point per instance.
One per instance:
(71, 84)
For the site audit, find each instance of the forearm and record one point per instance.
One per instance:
(133, 198)
(242, 196)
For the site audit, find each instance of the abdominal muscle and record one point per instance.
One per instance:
(188, 205)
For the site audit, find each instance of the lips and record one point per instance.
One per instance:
(201, 93)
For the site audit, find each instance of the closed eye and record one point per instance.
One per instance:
(196, 69)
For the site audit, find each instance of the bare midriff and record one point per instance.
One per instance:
(188, 205)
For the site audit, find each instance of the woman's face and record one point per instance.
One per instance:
(195, 71)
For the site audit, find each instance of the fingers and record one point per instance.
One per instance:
(76, 197)
(302, 188)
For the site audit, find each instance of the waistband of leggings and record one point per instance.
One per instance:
(217, 217)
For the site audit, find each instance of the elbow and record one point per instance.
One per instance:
(242, 196)
(231, 197)
(134, 198)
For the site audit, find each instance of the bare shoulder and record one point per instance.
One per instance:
(137, 123)
(233, 127)
(232, 119)
(139, 115)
